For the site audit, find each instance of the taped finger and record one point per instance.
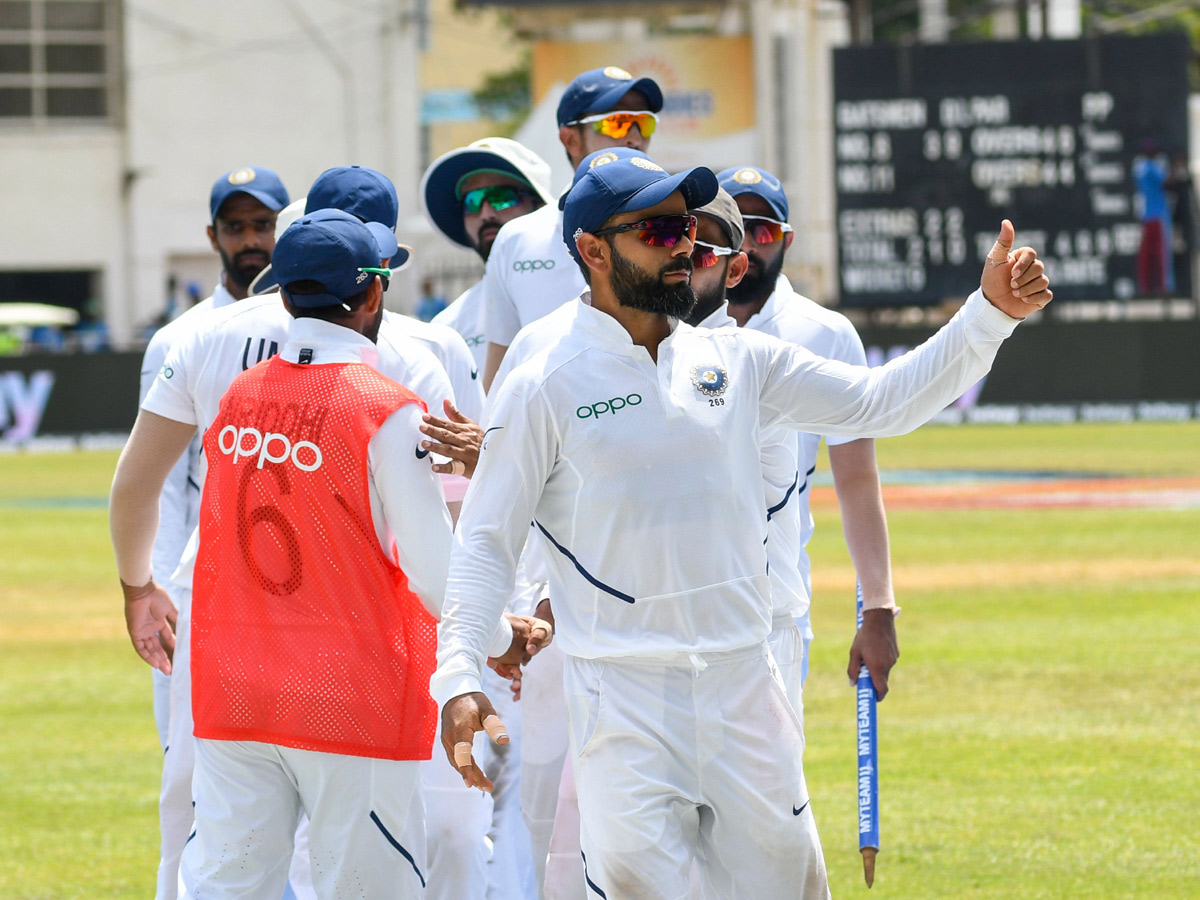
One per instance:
(462, 754)
(495, 729)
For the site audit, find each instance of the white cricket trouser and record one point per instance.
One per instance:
(161, 685)
(543, 753)
(364, 833)
(510, 870)
(788, 649)
(692, 757)
(175, 796)
(564, 864)
(175, 815)
(457, 819)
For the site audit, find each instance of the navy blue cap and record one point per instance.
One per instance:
(616, 183)
(599, 90)
(749, 180)
(261, 184)
(364, 193)
(329, 246)
(590, 160)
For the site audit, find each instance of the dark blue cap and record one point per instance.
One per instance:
(588, 161)
(749, 180)
(616, 183)
(329, 246)
(600, 89)
(364, 193)
(261, 184)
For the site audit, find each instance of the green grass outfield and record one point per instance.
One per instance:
(1041, 739)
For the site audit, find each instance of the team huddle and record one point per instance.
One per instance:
(589, 584)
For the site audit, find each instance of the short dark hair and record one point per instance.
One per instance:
(326, 313)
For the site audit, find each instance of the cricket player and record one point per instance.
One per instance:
(765, 301)
(529, 271)
(243, 207)
(371, 196)
(468, 194)
(627, 444)
(186, 392)
(317, 584)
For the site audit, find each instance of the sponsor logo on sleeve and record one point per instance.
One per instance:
(533, 265)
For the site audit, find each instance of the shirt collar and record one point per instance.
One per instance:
(222, 297)
(718, 317)
(603, 330)
(783, 290)
(328, 342)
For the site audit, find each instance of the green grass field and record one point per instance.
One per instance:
(1040, 741)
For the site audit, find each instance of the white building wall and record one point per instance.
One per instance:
(293, 85)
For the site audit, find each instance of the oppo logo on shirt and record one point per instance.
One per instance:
(305, 455)
(532, 265)
(615, 405)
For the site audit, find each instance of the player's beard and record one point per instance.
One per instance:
(239, 270)
(483, 245)
(372, 331)
(757, 284)
(636, 289)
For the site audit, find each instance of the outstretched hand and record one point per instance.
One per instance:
(462, 718)
(530, 635)
(455, 436)
(1014, 281)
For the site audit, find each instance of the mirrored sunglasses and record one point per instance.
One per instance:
(764, 230)
(706, 255)
(500, 196)
(659, 231)
(617, 124)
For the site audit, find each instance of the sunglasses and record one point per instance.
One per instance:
(500, 196)
(764, 230)
(706, 255)
(660, 231)
(617, 124)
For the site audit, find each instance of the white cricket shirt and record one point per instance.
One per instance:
(529, 274)
(449, 348)
(795, 318)
(639, 475)
(784, 486)
(466, 315)
(179, 502)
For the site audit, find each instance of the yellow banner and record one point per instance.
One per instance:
(707, 82)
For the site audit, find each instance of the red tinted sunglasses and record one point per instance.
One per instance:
(706, 255)
(659, 231)
(764, 230)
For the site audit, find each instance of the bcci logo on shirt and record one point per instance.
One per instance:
(710, 380)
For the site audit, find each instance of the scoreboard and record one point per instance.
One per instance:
(936, 143)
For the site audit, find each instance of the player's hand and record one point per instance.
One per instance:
(875, 644)
(455, 436)
(1014, 281)
(530, 635)
(150, 619)
(462, 718)
(515, 685)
